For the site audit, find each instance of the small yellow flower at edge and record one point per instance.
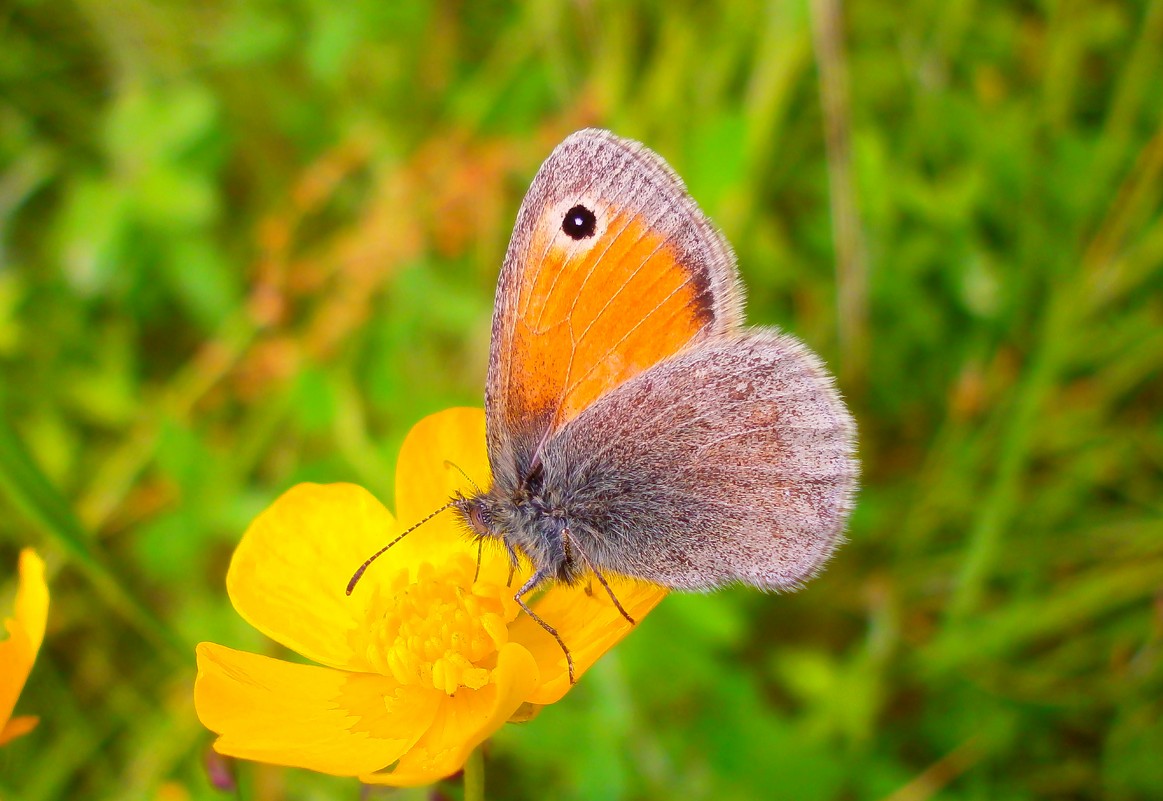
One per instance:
(18, 652)
(426, 659)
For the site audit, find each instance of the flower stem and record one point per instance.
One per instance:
(474, 777)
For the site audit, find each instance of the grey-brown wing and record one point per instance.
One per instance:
(730, 462)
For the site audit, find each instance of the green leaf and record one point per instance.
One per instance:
(32, 493)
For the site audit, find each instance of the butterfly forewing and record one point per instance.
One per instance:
(580, 309)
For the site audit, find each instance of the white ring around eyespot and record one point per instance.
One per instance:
(556, 217)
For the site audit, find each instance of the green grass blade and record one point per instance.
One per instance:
(31, 492)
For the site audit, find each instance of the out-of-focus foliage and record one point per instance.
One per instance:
(247, 244)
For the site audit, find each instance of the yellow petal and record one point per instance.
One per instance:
(289, 574)
(587, 621)
(304, 716)
(18, 727)
(464, 722)
(438, 458)
(444, 454)
(25, 632)
(32, 597)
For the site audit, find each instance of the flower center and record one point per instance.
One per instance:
(441, 630)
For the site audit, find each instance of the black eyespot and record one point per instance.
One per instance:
(579, 223)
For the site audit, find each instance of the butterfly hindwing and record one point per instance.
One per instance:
(730, 462)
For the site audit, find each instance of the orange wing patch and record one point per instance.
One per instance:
(588, 319)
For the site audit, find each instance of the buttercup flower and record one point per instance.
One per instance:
(425, 659)
(18, 652)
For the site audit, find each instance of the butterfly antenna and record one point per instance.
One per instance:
(363, 568)
(467, 477)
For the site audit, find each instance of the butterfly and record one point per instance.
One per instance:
(635, 426)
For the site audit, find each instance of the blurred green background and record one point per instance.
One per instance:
(246, 243)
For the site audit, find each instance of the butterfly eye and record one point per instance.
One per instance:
(579, 223)
(478, 519)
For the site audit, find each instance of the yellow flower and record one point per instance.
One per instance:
(18, 652)
(425, 659)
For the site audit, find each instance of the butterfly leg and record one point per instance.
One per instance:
(514, 563)
(480, 555)
(570, 541)
(528, 587)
